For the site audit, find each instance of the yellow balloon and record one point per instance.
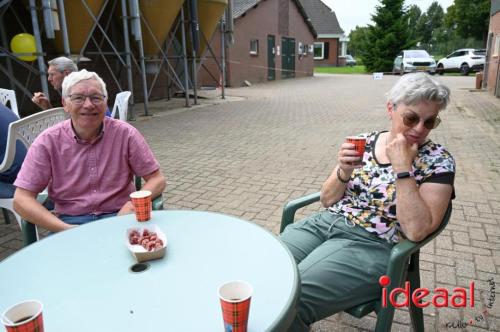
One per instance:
(24, 43)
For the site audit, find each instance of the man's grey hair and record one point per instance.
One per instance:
(414, 88)
(82, 75)
(62, 63)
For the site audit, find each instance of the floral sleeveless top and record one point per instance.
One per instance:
(370, 197)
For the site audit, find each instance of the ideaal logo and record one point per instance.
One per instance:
(439, 299)
(440, 296)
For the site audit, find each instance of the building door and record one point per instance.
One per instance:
(271, 64)
(288, 57)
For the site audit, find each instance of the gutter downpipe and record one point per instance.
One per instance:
(64, 28)
(39, 50)
(223, 57)
(127, 57)
(136, 26)
(184, 53)
(195, 28)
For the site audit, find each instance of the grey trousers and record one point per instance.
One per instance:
(339, 265)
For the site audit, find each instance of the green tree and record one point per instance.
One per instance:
(469, 18)
(430, 22)
(435, 14)
(447, 40)
(357, 40)
(423, 30)
(413, 15)
(387, 37)
(450, 17)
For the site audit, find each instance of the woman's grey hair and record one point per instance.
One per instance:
(62, 63)
(77, 76)
(414, 88)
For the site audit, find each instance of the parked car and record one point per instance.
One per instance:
(349, 60)
(409, 61)
(463, 60)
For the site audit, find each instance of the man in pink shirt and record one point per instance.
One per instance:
(87, 162)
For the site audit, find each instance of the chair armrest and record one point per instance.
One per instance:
(158, 203)
(291, 207)
(396, 266)
(10, 150)
(25, 130)
(29, 233)
(402, 251)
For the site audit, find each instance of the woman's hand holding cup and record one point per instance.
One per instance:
(351, 152)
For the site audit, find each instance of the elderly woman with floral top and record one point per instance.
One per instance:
(399, 188)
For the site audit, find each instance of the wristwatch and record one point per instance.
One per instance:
(403, 175)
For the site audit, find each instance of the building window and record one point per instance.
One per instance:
(319, 51)
(254, 46)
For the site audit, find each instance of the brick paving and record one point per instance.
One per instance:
(272, 142)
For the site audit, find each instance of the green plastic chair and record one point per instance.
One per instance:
(403, 265)
(29, 230)
(25, 131)
(157, 201)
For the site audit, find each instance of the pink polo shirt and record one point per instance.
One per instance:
(84, 178)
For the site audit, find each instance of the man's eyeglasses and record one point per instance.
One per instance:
(79, 99)
(411, 119)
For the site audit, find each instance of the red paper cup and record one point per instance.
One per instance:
(142, 204)
(359, 143)
(24, 317)
(235, 299)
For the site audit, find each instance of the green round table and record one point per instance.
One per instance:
(83, 276)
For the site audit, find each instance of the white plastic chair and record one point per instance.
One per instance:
(26, 130)
(9, 96)
(121, 103)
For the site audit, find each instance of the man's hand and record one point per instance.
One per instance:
(29, 208)
(401, 153)
(70, 226)
(41, 100)
(126, 209)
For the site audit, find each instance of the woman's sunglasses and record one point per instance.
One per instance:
(411, 119)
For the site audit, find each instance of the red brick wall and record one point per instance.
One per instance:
(304, 65)
(333, 52)
(493, 64)
(258, 23)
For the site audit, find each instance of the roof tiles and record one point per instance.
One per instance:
(322, 17)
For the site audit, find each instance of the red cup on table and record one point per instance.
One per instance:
(359, 144)
(142, 204)
(25, 316)
(235, 299)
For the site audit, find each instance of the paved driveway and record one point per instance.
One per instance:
(276, 141)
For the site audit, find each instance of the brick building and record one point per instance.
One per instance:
(273, 39)
(330, 44)
(492, 68)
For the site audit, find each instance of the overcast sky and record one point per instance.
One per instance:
(358, 12)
